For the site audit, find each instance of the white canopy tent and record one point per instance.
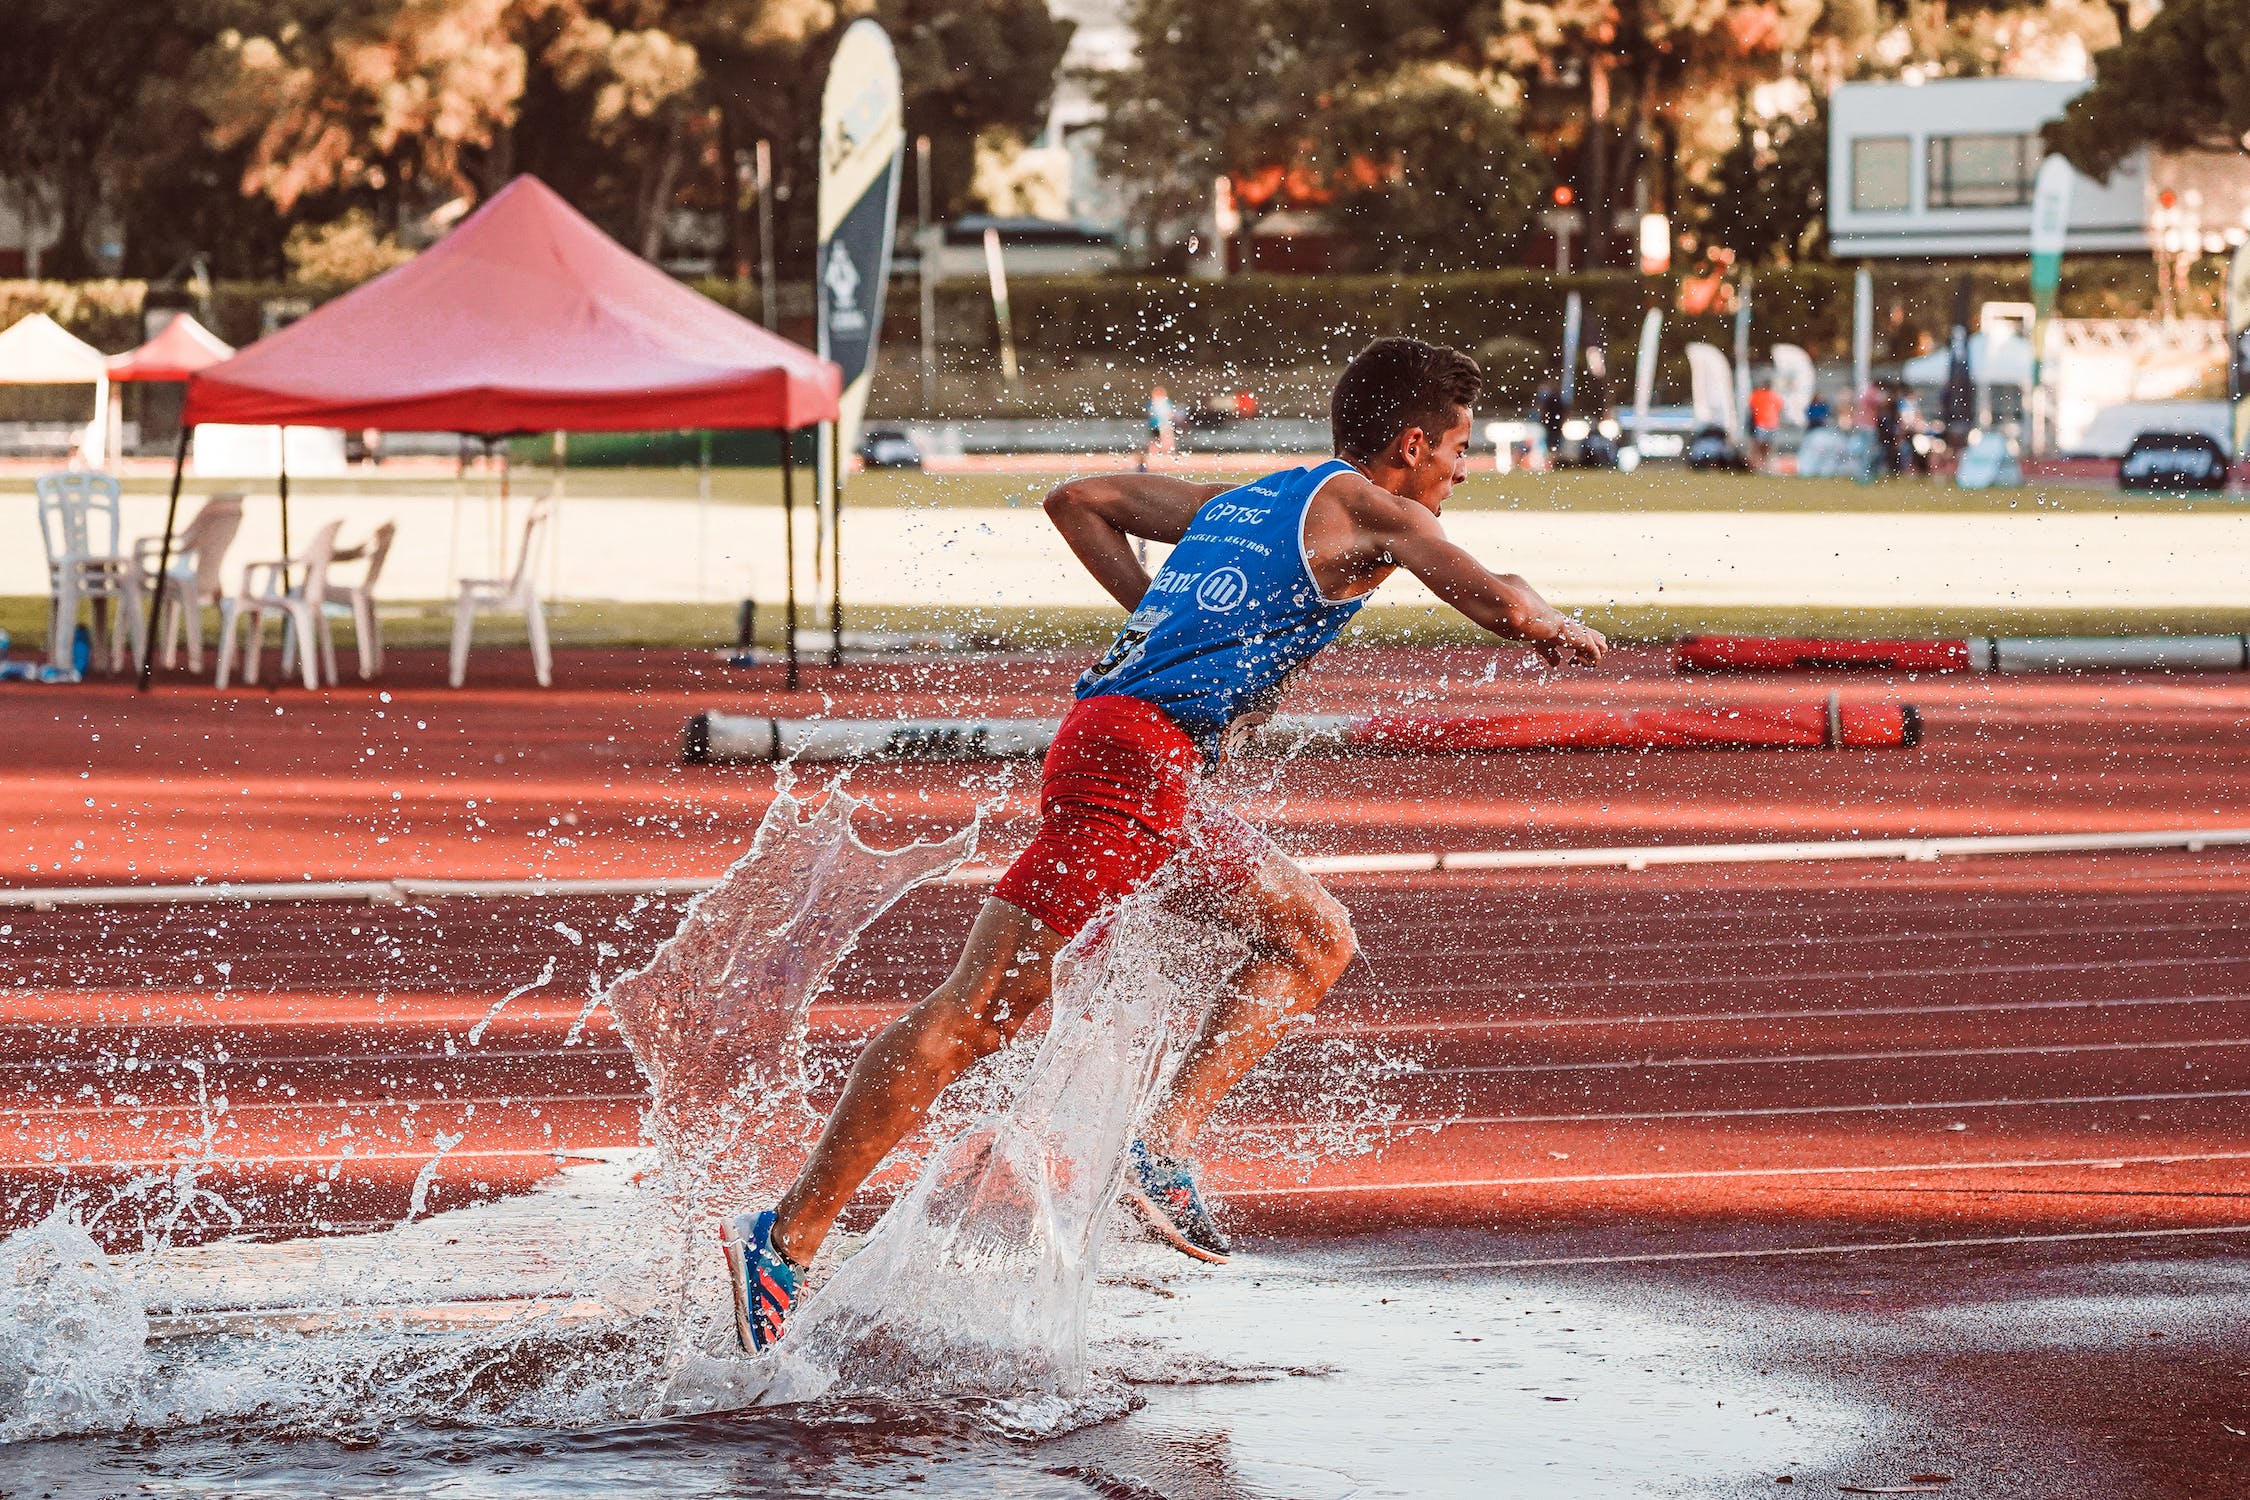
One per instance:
(1997, 360)
(40, 351)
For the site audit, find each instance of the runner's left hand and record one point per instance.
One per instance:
(1573, 645)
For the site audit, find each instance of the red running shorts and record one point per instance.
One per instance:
(1116, 802)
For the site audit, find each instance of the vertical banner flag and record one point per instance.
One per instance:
(1794, 380)
(996, 272)
(1574, 313)
(2238, 334)
(1644, 373)
(1863, 331)
(1738, 428)
(2050, 229)
(862, 144)
(1712, 385)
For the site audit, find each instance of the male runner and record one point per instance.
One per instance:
(1260, 579)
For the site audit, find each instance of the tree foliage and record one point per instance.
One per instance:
(223, 122)
(1767, 197)
(2181, 82)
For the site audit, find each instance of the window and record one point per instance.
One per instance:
(1882, 175)
(1982, 171)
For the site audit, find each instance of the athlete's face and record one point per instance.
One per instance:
(1435, 463)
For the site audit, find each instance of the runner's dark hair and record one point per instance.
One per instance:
(1394, 384)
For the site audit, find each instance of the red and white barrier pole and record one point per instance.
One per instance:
(1814, 724)
(2054, 653)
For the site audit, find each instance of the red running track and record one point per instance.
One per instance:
(2020, 1043)
(104, 785)
(1998, 1046)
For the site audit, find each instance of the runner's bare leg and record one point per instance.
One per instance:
(1002, 977)
(1301, 940)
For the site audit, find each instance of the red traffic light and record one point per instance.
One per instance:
(1565, 195)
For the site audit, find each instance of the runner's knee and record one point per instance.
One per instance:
(951, 1034)
(1318, 940)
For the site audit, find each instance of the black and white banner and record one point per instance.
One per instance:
(862, 143)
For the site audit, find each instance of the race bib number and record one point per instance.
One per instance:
(1130, 642)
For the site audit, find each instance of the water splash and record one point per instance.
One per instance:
(716, 1018)
(76, 1335)
(976, 1284)
(597, 1298)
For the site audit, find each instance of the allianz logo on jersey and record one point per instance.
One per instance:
(1219, 591)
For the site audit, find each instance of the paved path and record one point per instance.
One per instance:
(668, 550)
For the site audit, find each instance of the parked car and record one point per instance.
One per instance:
(888, 448)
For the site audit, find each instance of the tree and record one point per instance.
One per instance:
(392, 96)
(1767, 198)
(2179, 83)
(1431, 172)
(70, 97)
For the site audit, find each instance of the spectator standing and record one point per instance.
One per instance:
(1817, 413)
(1765, 421)
(1887, 429)
(1547, 410)
(1163, 434)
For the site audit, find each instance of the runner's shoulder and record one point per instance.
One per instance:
(1370, 508)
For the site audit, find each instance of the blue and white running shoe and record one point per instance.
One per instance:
(1162, 1190)
(765, 1283)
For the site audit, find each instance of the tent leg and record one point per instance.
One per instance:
(284, 486)
(836, 544)
(164, 562)
(789, 545)
(286, 623)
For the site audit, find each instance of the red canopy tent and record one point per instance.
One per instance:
(183, 348)
(526, 318)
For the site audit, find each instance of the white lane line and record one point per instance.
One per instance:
(1658, 1256)
(434, 1104)
(1783, 976)
(1689, 1018)
(273, 1159)
(398, 891)
(1959, 937)
(868, 1015)
(2032, 1163)
(1767, 1059)
(1875, 1108)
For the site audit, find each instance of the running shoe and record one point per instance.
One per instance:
(1163, 1192)
(765, 1283)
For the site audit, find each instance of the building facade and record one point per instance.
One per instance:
(1945, 168)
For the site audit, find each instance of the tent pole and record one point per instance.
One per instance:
(284, 473)
(789, 543)
(164, 563)
(836, 544)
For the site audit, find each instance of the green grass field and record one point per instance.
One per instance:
(583, 624)
(1656, 488)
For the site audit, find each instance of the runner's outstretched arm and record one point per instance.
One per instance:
(1099, 517)
(1502, 603)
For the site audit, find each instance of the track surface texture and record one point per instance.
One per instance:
(1736, 1077)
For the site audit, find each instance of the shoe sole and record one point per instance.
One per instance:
(1164, 1229)
(738, 1281)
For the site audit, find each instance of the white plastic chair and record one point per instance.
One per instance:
(199, 554)
(299, 607)
(515, 595)
(80, 520)
(356, 602)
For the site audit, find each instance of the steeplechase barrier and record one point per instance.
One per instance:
(1976, 653)
(1812, 724)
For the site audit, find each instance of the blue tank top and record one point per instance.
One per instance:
(1231, 614)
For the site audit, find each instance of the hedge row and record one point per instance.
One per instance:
(1283, 321)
